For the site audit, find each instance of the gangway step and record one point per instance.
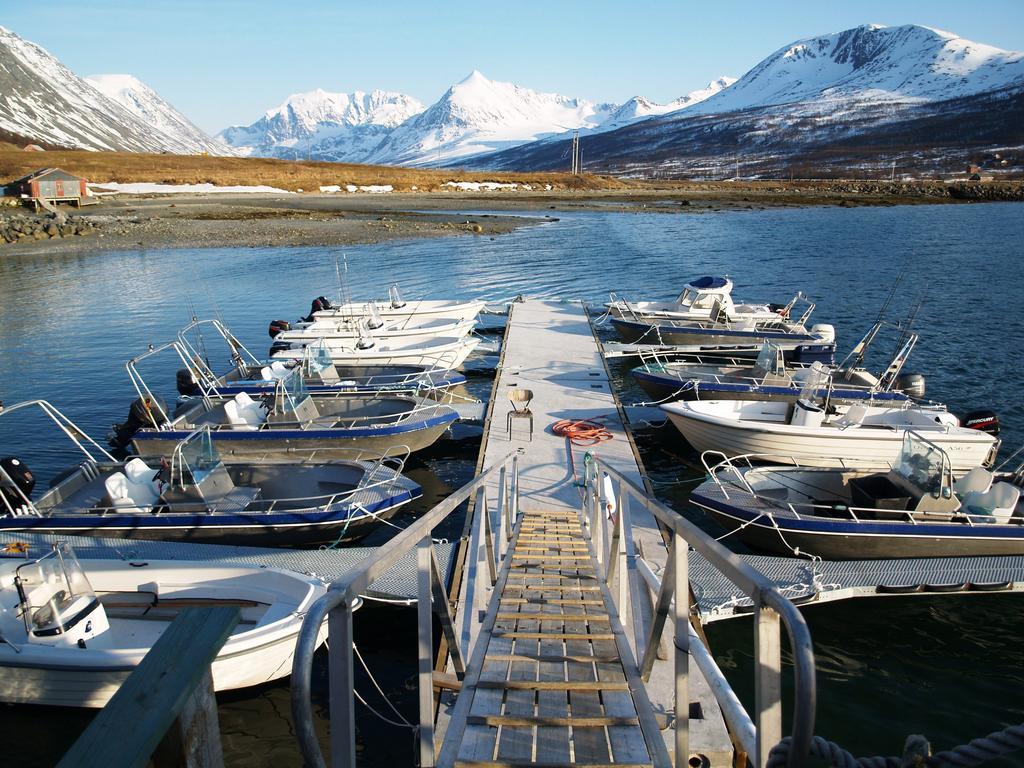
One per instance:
(548, 721)
(575, 764)
(542, 658)
(555, 636)
(553, 617)
(554, 685)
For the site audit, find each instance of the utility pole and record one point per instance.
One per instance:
(575, 152)
(892, 176)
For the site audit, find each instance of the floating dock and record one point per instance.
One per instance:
(557, 686)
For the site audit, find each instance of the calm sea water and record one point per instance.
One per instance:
(947, 667)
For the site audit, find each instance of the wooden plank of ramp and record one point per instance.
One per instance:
(547, 684)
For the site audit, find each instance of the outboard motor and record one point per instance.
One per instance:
(276, 326)
(825, 332)
(911, 384)
(23, 480)
(396, 297)
(142, 413)
(279, 346)
(983, 420)
(320, 304)
(186, 383)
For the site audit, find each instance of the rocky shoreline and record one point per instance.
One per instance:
(128, 222)
(15, 227)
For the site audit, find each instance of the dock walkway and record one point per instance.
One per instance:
(564, 688)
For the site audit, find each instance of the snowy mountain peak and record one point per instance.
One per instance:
(639, 107)
(479, 115)
(46, 101)
(907, 63)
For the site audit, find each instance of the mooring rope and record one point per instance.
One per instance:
(976, 752)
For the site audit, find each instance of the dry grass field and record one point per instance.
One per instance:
(126, 167)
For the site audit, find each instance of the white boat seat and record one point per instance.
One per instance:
(244, 413)
(978, 480)
(276, 370)
(134, 496)
(1000, 502)
(853, 417)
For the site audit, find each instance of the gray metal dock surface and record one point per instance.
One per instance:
(550, 349)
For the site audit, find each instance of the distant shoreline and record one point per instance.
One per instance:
(133, 222)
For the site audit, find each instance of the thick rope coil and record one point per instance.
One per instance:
(976, 752)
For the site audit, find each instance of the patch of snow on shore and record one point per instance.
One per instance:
(373, 189)
(476, 186)
(146, 188)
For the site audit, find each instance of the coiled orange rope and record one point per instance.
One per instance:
(582, 432)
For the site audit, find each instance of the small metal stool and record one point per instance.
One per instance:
(520, 399)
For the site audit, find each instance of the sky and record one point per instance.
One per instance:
(226, 62)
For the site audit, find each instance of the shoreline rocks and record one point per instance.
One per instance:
(15, 227)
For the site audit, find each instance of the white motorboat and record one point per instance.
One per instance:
(442, 353)
(696, 302)
(412, 330)
(815, 432)
(396, 308)
(73, 630)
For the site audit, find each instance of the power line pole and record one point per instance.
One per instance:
(575, 152)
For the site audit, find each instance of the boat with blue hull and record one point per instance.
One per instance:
(772, 377)
(290, 422)
(197, 495)
(320, 373)
(916, 508)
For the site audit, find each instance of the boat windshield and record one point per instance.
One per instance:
(770, 360)
(374, 321)
(197, 456)
(924, 465)
(295, 391)
(816, 381)
(316, 359)
(53, 590)
(685, 298)
(396, 297)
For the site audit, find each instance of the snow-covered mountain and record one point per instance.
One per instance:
(45, 101)
(870, 92)
(179, 133)
(343, 127)
(479, 115)
(639, 108)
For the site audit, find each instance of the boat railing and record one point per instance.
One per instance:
(492, 520)
(608, 499)
(72, 431)
(240, 355)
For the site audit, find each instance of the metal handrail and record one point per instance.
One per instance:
(754, 584)
(336, 606)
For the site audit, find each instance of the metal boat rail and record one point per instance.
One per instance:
(338, 604)
(609, 495)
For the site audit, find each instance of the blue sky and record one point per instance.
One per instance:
(227, 61)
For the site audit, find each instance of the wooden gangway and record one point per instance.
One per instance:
(548, 682)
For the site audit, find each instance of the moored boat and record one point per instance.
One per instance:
(696, 302)
(816, 432)
(441, 353)
(73, 630)
(394, 307)
(192, 493)
(915, 508)
(772, 377)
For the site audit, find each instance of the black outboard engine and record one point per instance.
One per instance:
(983, 420)
(320, 304)
(279, 346)
(186, 383)
(144, 411)
(23, 480)
(276, 326)
(911, 384)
